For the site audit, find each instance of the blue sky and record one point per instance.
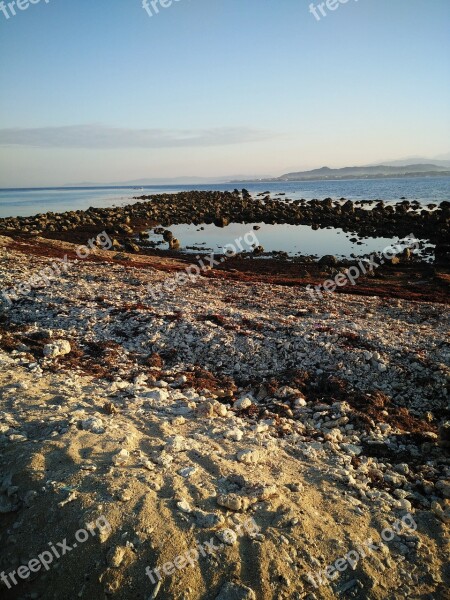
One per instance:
(96, 90)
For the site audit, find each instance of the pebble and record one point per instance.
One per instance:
(176, 444)
(115, 556)
(208, 520)
(243, 403)
(183, 505)
(187, 471)
(227, 536)
(234, 434)
(121, 458)
(93, 424)
(249, 457)
(231, 501)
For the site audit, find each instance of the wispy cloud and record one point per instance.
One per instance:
(102, 136)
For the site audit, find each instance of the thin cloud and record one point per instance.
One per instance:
(102, 136)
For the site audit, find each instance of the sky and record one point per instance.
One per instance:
(100, 91)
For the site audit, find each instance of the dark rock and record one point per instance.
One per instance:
(174, 244)
(328, 261)
(221, 221)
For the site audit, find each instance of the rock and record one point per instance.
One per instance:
(132, 247)
(110, 408)
(159, 394)
(402, 468)
(232, 502)
(176, 444)
(328, 261)
(227, 536)
(221, 221)
(287, 392)
(234, 434)
(220, 409)
(208, 520)
(124, 495)
(183, 505)
(236, 591)
(441, 513)
(405, 504)
(444, 435)
(260, 427)
(188, 471)
(243, 403)
(30, 497)
(443, 485)
(146, 463)
(115, 556)
(120, 256)
(57, 348)
(210, 409)
(295, 487)
(351, 449)
(249, 457)
(93, 424)
(164, 459)
(121, 458)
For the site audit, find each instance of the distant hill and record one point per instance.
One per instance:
(377, 171)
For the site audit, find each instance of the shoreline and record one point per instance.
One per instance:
(403, 277)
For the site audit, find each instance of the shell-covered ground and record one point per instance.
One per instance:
(222, 440)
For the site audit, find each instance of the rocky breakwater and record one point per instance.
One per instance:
(221, 208)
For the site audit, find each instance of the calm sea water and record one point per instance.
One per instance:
(28, 202)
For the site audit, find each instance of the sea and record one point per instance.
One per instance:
(27, 202)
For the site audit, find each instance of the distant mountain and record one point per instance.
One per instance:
(377, 171)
